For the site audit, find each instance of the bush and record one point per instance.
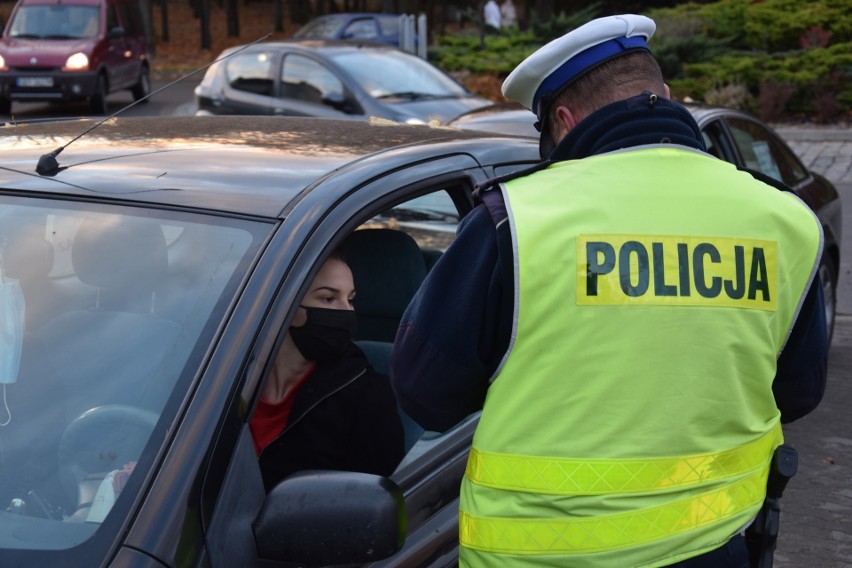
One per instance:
(471, 51)
(775, 58)
(766, 48)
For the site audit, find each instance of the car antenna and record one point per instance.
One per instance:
(47, 164)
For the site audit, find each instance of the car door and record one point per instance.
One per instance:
(249, 83)
(309, 87)
(430, 474)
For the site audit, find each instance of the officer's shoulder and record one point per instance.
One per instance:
(491, 184)
(768, 180)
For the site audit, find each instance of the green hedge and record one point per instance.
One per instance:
(776, 58)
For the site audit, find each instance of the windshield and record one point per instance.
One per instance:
(325, 27)
(55, 21)
(390, 73)
(105, 316)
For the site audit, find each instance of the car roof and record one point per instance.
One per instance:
(241, 165)
(347, 15)
(323, 45)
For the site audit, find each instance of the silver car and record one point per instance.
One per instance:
(332, 79)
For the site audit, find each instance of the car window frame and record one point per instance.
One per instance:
(274, 64)
(361, 21)
(321, 234)
(279, 73)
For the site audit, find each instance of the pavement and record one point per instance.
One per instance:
(816, 518)
(825, 150)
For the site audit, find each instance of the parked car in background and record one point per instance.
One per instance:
(157, 267)
(332, 79)
(353, 25)
(733, 136)
(67, 50)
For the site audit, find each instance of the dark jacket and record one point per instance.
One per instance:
(457, 328)
(344, 417)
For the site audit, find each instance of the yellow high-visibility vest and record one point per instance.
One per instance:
(632, 421)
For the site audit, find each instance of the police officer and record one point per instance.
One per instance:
(641, 316)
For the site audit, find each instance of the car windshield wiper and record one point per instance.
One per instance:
(27, 36)
(60, 36)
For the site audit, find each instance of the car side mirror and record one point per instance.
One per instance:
(116, 32)
(331, 517)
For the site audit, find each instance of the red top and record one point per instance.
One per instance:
(269, 419)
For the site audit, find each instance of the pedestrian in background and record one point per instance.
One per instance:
(641, 316)
(508, 14)
(492, 16)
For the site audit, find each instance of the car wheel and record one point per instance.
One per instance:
(143, 86)
(97, 102)
(5, 106)
(828, 276)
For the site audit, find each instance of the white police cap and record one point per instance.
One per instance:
(543, 74)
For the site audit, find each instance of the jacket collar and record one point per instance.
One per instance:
(637, 121)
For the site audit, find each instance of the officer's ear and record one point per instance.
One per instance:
(668, 92)
(565, 120)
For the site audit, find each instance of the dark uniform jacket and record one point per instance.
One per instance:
(457, 328)
(344, 417)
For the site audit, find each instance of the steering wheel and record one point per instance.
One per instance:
(100, 440)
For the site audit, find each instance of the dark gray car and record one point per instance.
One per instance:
(156, 268)
(332, 79)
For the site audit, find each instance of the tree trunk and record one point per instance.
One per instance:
(146, 9)
(278, 15)
(204, 21)
(543, 10)
(299, 13)
(233, 18)
(164, 20)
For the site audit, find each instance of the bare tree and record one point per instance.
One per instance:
(278, 15)
(543, 10)
(204, 23)
(233, 15)
(164, 20)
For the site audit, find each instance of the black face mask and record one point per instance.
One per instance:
(326, 333)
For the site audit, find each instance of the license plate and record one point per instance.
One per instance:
(35, 81)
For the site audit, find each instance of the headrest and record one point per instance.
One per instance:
(28, 253)
(541, 76)
(388, 268)
(120, 254)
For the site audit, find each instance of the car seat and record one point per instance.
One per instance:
(388, 268)
(126, 262)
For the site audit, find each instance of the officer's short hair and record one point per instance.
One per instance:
(617, 79)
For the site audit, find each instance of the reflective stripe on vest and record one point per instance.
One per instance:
(609, 532)
(563, 476)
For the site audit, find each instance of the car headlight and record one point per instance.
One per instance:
(77, 62)
(3, 64)
(414, 120)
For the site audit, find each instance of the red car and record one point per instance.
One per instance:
(65, 50)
